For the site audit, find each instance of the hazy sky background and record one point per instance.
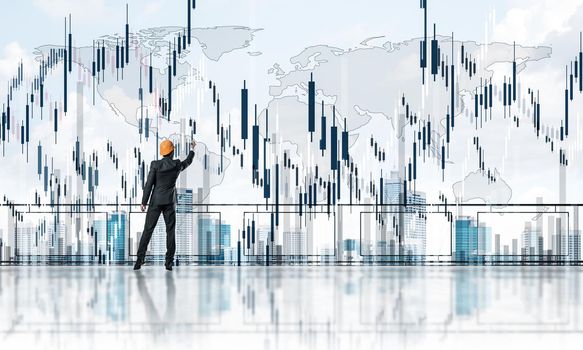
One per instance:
(31, 23)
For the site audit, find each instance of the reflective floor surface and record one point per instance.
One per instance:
(293, 307)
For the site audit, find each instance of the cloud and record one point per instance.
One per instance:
(532, 22)
(85, 10)
(153, 7)
(11, 56)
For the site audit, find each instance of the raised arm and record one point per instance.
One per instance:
(149, 184)
(185, 163)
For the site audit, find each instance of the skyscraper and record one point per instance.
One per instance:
(466, 240)
(208, 238)
(225, 240)
(415, 226)
(56, 234)
(531, 242)
(116, 236)
(24, 240)
(261, 241)
(100, 230)
(471, 242)
(411, 219)
(575, 246)
(214, 239)
(294, 244)
(184, 219)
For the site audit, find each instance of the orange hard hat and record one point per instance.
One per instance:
(166, 147)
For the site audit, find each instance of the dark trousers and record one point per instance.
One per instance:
(154, 211)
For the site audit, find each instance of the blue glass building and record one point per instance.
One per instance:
(472, 242)
(116, 236)
(213, 238)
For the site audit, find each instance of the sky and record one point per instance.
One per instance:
(92, 18)
(32, 23)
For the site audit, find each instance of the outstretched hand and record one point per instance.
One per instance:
(143, 208)
(192, 144)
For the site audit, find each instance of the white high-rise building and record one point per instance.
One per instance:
(412, 217)
(294, 243)
(184, 217)
(575, 246)
(262, 239)
(24, 240)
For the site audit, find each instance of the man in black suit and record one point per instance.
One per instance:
(161, 184)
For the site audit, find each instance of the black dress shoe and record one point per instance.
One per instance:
(139, 264)
(168, 267)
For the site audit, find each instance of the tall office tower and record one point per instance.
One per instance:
(208, 238)
(412, 219)
(56, 235)
(184, 222)
(464, 239)
(390, 243)
(530, 242)
(214, 239)
(468, 240)
(61, 234)
(574, 236)
(225, 241)
(562, 241)
(116, 236)
(100, 231)
(24, 241)
(575, 246)
(295, 245)
(415, 226)
(484, 239)
(262, 239)
(51, 237)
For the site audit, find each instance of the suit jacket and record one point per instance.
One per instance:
(161, 183)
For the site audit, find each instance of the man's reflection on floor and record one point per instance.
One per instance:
(159, 325)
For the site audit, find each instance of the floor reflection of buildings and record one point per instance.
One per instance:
(116, 297)
(321, 302)
(469, 297)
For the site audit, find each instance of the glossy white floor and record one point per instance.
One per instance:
(290, 307)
